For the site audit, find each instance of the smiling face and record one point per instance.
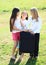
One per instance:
(24, 15)
(34, 13)
(18, 14)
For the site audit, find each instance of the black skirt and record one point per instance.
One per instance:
(27, 41)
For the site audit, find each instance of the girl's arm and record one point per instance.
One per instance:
(14, 27)
(26, 30)
(31, 32)
(22, 24)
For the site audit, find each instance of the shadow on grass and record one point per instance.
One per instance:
(12, 62)
(17, 63)
(31, 62)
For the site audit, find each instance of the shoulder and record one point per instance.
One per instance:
(30, 18)
(17, 20)
(26, 20)
(39, 19)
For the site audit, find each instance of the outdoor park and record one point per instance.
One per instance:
(6, 42)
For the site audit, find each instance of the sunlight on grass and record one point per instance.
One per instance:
(6, 42)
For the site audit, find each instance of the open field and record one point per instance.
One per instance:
(6, 42)
(8, 5)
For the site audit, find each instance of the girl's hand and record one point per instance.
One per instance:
(31, 32)
(25, 30)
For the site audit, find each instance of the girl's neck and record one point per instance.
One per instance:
(17, 18)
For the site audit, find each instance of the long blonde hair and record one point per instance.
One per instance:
(35, 11)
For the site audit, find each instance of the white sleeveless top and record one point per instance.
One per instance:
(17, 24)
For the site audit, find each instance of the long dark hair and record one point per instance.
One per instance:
(13, 16)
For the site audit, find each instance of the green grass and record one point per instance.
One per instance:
(6, 42)
(8, 5)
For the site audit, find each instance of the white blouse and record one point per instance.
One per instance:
(34, 25)
(17, 24)
(25, 23)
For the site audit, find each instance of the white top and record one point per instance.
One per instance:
(34, 25)
(25, 23)
(17, 24)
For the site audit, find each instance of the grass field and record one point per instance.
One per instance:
(6, 42)
(8, 5)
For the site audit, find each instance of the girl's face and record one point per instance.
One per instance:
(32, 13)
(24, 15)
(18, 14)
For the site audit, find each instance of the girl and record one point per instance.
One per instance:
(24, 18)
(24, 22)
(15, 28)
(35, 27)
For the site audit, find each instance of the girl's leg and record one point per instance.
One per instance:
(36, 49)
(31, 55)
(36, 45)
(14, 47)
(21, 56)
(17, 49)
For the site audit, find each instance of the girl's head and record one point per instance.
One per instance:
(24, 15)
(34, 13)
(14, 15)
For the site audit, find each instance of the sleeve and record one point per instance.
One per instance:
(29, 23)
(29, 19)
(38, 26)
